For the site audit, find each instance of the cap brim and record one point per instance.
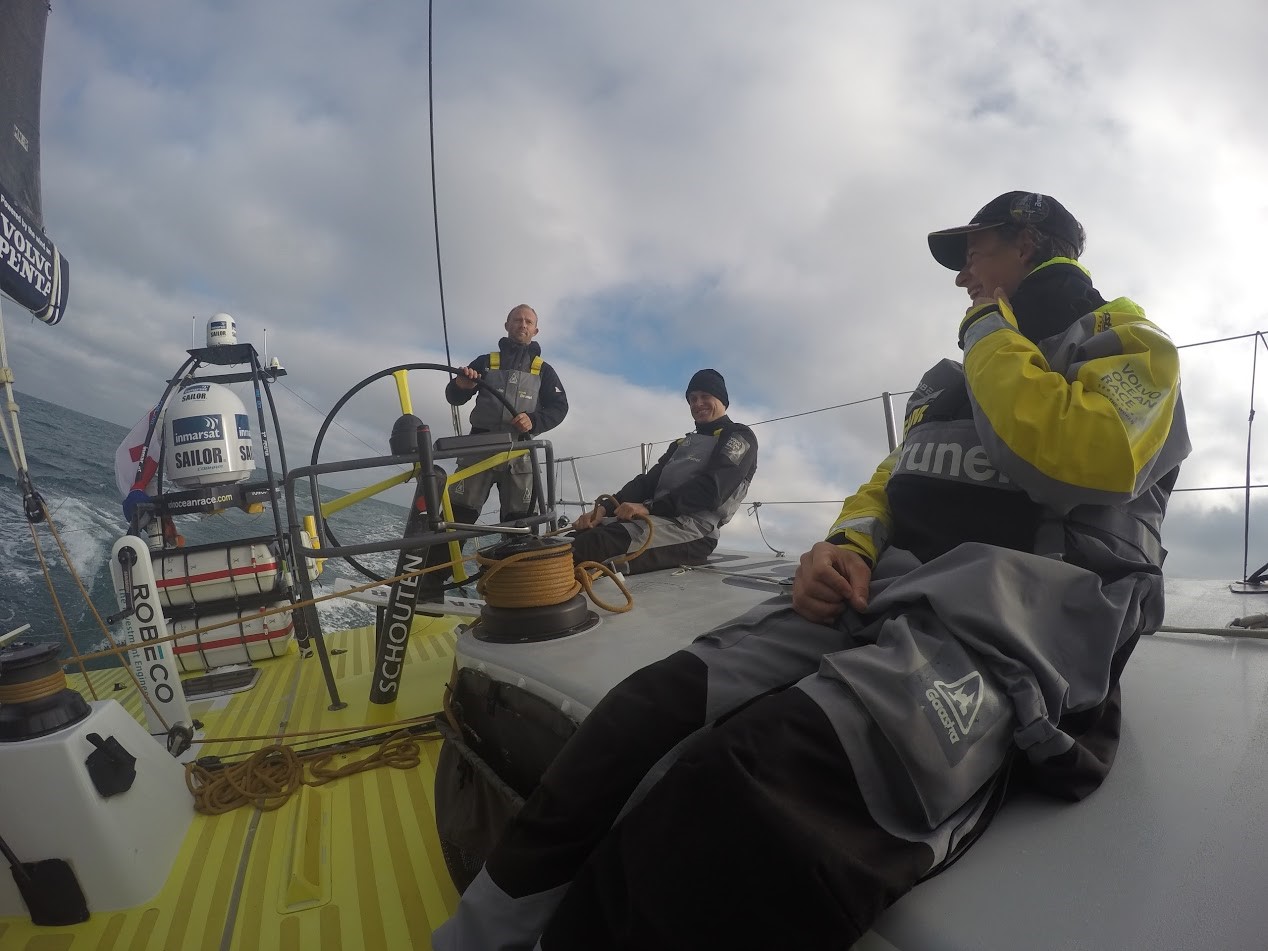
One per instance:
(951, 245)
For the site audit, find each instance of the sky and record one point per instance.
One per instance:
(739, 185)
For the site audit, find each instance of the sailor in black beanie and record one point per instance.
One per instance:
(691, 492)
(709, 381)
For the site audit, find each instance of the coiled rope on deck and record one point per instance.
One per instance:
(269, 777)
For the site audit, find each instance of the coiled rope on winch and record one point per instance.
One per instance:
(546, 576)
(48, 686)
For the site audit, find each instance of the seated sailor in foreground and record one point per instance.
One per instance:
(788, 776)
(691, 492)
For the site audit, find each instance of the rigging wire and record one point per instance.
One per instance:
(1206, 343)
(752, 510)
(773, 419)
(595, 455)
(435, 208)
(824, 409)
(870, 399)
(435, 213)
(1250, 429)
(1257, 576)
(377, 450)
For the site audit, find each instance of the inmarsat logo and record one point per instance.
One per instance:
(196, 429)
(957, 704)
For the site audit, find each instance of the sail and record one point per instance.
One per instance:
(32, 271)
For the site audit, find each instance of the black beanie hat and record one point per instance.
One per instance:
(709, 381)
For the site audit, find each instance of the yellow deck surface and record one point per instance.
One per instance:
(355, 863)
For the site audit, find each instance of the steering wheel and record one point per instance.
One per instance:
(402, 387)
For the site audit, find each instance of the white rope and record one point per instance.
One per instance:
(13, 443)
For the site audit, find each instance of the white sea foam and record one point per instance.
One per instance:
(340, 613)
(87, 533)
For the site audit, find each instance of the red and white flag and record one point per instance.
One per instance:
(129, 473)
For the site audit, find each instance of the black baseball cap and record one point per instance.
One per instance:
(950, 245)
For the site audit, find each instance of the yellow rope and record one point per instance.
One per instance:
(266, 780)
(272, 775)
(588, 572)
(531, 579)
(528, 579)
(34, 689)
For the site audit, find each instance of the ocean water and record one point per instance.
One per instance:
(71, 460)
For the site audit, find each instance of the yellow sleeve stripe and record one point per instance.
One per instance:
(865, 521)
(1097, 431)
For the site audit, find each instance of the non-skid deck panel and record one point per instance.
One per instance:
(671, 609)
(370, 869)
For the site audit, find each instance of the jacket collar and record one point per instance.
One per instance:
(511, 349)
(1052, 297)
(713, 425)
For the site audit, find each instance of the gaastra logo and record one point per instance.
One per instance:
(956, 704)
(1030, 208)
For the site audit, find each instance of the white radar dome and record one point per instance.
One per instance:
(207, 436)
(222, 330)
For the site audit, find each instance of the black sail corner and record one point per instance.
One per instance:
(32, 271)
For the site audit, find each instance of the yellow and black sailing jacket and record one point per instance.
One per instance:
(1067, 443)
